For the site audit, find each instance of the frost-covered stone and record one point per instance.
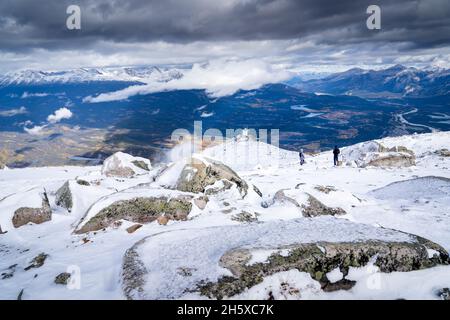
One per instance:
(316, 208)
(64, 197)
(203, 172)
(316, 246)
(372, 153)
(123, 165)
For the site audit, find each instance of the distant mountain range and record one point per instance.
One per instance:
(129, 74)
(396, 81)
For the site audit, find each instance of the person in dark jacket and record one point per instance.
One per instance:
(302, 157)
(336, 153)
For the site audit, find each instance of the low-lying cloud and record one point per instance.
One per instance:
(60, 114)
(57, 116)
(13, 112)
(218, 78)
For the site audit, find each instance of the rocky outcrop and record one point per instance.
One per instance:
(316, 208)
(317, 260)
(25, 215)
(391, 159)
(202, 172)
(372, 153)
(64, 197)
(140, 210)
(123, 165)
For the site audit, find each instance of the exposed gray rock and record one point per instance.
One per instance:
(62, 278)
(139, 210)
(316, 208)
(25, 215)
(37, 261)
(1, 231)
(64, 197)
(201, 173)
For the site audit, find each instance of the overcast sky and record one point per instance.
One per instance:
(297, 34)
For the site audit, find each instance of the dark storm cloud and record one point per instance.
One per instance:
(27, 24)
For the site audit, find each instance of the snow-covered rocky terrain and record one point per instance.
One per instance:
(240, 220)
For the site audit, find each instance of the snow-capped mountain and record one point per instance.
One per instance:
(129, 74)
(242, 221)
(394, 81)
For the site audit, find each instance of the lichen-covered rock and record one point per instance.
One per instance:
(317, 260)
(316, 208)
(62, 278)
(24, 215)
(64, 197)
(202, 172)
(37, 261)
(123, 165)
(252, 252)
(140, 210)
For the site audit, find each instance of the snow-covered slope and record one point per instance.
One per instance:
(183, 253)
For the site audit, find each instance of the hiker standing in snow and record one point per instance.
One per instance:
(302, 157)
(336, 152)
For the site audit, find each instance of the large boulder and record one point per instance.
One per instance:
(64, 197)
(123, 165)
(319, 260)
(372, 153)
(202, 172)
(252, 252)
(140, 210)
(25, 215)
